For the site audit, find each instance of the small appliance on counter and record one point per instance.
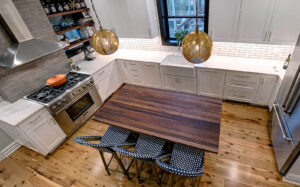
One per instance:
(71, 103)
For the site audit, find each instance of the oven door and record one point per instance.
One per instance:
(79, 111)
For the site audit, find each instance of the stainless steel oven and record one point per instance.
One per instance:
(79, 110)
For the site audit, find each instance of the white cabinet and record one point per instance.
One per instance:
(210, 82)
(254, 21)
(265, 90)
(224, 20)
(285, 27)
(241, 86)
(38, 132)
(134, 70)
(105, 81)
(128, 18)
(181, 84)
(151, 74)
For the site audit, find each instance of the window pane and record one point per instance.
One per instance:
(185, 7)
(188, 24)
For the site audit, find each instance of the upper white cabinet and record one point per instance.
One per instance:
(265, 89)
(255, 21)
(210, 82)
(285, 27)
(224, 19)
(128, 18)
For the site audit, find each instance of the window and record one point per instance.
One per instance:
(176, 15)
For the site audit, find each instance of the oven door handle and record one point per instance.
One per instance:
(283, 132)
(85, 113)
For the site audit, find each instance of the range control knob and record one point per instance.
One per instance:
(79, 89)
(53, 107)
(58, 103)
(83, 87)
(87, 84)
(63, 100)
(91, 81)
(74, 93)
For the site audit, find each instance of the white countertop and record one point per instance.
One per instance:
(14, 113)
(264, 66)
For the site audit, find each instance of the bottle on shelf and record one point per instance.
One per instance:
(59, 6)
(66, 5)
(286, 63)
(82, 4)
(45, 6)
(52, 7)
(78, 6)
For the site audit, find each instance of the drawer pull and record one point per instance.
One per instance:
(135, 75)
(148, 65)
(239, 84)
(241, 96)
(133, 69)
(35, 119)
(243, 76)
(132, 64)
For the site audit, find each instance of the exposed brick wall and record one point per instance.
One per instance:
(18, 82)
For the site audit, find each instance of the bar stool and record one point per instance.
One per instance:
(147, 149)
(185, 161)
(114, 136)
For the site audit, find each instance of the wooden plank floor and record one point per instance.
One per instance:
(245, 158)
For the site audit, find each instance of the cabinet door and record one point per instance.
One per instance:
(170, 82)
(139, 17)
(151, 75)
(285, 27)
(46, 135)
(225, 20)
(120, 18)
(106, 86)
(254, 20)
(187, 85)
(210, 82)
(265, 89)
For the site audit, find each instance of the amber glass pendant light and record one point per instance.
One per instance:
(197, 46)
(104, 41)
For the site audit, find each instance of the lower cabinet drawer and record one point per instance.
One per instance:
(243, 84)
(239, 94)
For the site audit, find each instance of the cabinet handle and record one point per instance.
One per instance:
(35, 119)
(270, 36)
(148, 65)
(266, 33)
(132, 64)
(135, 75)
(133, 69)
(241, 96)
(239, 84)
(262, 80)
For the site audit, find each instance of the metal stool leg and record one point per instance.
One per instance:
(121, 164)
(156, 174)
(139, 173)
(104, 163)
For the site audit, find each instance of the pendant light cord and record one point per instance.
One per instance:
(96, 14)
(197, 29)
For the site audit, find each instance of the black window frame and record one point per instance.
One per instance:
(164, 25)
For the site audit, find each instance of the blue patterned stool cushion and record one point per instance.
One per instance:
(112, 137)
(147, 147)
(185, 161)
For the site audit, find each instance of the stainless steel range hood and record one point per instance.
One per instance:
(24, 47)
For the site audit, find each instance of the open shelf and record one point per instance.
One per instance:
(69, 12)
(76, 27)
(78, 42)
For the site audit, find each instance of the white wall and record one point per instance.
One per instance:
(276, 52)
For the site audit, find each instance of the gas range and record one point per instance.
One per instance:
(56, 98)
(72, 103)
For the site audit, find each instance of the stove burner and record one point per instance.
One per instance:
(48, 93)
